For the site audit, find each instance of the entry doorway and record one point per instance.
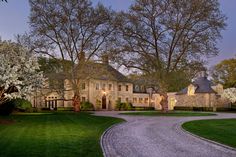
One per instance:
(104, 102)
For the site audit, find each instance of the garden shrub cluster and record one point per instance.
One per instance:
(18, 104)
(121, 106)
(64, 108)
(144, 108)
(185, 108)
(86, 106)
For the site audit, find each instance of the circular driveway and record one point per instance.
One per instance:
(144, 136)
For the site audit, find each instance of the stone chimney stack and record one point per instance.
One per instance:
(105, 59)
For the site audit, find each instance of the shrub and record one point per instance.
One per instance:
(18, 104)
(186, 108)
(86, 106)
(121, 106)
(22, 105)
(143, 108)
(64, 109)
(6, 108)
(183, 108)
(118, 105)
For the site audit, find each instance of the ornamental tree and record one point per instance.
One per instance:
(230, 93)
(19, 71)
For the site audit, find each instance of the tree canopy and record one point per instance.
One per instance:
(225, 73)
(164, 36)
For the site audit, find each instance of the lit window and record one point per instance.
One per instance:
(135, 100)
(119, 87)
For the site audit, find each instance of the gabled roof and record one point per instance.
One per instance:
(102, 71)
(202, 84)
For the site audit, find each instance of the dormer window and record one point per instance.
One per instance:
(191, 89)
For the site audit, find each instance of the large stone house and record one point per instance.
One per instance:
(102, 85)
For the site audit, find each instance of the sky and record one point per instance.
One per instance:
(14, 20)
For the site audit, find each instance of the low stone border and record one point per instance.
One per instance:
(102, 137)
(204, 139)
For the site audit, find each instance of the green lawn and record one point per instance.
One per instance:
(221, 130)
(58, 134)
(170, 113)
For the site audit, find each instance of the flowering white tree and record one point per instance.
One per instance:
(230, 93)
(19, 71)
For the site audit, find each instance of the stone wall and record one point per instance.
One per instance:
(201, 100)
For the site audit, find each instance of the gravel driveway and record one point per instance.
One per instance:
(143, 136)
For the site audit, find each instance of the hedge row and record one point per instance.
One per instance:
(184, 108)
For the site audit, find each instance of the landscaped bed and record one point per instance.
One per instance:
(58, 134)
(170, 113)
(219, 130)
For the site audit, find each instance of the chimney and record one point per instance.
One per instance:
(105, 59)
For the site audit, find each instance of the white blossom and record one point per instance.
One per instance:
(19, 69)
(230, 93)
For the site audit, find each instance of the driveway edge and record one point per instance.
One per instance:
(102, 142)
(205, 139)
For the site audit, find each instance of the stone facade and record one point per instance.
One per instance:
(103, 94)
(202, 93)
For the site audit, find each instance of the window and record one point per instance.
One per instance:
(140, 100)
(103, 86)
(110, 87)
(97, 86)
(135, 100)
(146, 100)
(83, 86)
(119, 87)
(119, 99)
(127, 88)
(136, 88)
(83, 99)
(127, 99)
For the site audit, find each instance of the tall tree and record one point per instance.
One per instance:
(160, 37)
(19, 71)
(225, 73)
(71, 30)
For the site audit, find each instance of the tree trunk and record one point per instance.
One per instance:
(76, 102)
(164, 102)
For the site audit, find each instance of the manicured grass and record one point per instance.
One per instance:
(58, 134)
(170, 113)
(219, 130)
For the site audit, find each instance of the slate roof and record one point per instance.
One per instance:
(202, 84)
(101, 71)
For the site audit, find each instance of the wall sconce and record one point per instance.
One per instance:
(104, 93)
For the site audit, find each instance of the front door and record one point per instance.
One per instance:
(104, 104)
